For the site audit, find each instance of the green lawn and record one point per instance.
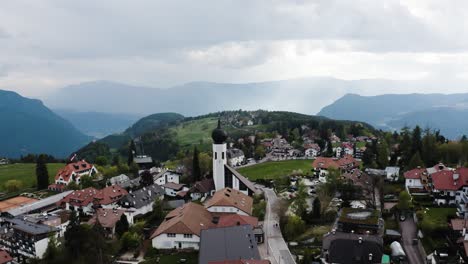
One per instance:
(191, 258)
(26, 173)
(275, 169)
(195, 132)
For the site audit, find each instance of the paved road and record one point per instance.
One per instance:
(409, 232)
(278, 250)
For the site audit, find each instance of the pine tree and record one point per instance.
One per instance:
(382, 154)
(196, 171)
(415, 161)
(131, 152)
(316, 208)
(122, 225)
(42, 175)
(329, 152)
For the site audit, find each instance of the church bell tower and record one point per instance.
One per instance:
(219, 137)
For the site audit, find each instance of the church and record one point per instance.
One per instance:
(224, 175)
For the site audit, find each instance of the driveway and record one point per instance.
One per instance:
(276, 247)
(409, 232)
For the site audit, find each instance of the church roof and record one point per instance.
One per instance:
(242, 179)
(219, 135)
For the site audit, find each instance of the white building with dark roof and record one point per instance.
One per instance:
(140, 202)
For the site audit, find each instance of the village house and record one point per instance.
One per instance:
(202, 189)
(182, 227)
(120, 180)
(86, 200)
(230, 201)
(235, 157)
(311, 150)
(25, 239)
(322, 165)
(227, 220)
(393, 173)
(228, 244)
(107, 218)
(172, 189)
(140, 202)
(4, 161)
(356, 235)
(413, 179)
(451, 187)
(144, 162)
(167, 176)
(72, 172)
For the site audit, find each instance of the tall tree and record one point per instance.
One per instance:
(196, 171)
(429, 150)
(415, 161)
(316, 208)
(131, 152)
(122, 225)
(382, 154)
(329, 152)
(416, 140)
(42, 175)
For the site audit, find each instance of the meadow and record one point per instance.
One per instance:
(275, 169)
(26, 173)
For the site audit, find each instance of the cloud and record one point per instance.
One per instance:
(53, 43)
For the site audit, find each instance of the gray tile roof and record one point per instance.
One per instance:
(228, 243)
(29, 227)
(142, 197)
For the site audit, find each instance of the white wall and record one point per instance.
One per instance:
(41, 247)
(218, 165)
(164, 242)
(226, 209)
(413, 183)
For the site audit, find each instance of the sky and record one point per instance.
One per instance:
(49, 44)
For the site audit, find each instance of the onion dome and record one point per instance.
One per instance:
(219, 135)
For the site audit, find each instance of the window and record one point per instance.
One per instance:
(223, 156)
(216, 155)
(187, 235)
(171, 235)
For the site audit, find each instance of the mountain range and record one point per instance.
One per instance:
(443, 112)
(30, 127)
(305, 95)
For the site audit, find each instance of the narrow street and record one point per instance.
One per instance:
(275, 247)
(409, 232)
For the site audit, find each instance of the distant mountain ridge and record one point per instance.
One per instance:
(394, 111)
(303, 95)
(98, 124)
(30, 127)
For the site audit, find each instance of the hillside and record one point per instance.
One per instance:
(393, 111)
(30, 127)
(172, 134)
(97, 124)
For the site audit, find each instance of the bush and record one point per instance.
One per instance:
(13, 185)
(294, 227)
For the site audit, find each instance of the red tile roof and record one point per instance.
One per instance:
(191, 218)
(80, 197)
(76, 167)
(414, 173)
(450, 180)
(325, 163)
(5, 257)
(109, 195)
(231, 197)
(106, 217)
(84, 197)
(228, 220)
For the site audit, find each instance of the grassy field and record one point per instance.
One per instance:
(25, 172)
(195, 132)
(275, 169)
